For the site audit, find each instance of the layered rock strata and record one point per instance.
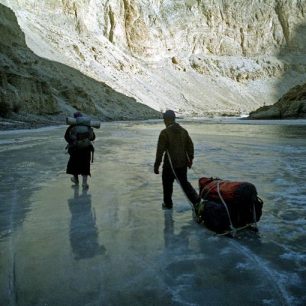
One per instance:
(198, 57)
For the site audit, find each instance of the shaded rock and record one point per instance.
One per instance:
(33, 85)
(266, 113)
(290, 106)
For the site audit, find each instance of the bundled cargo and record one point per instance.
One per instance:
(228, 205)
(82, 120)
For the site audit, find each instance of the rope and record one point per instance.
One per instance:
(254, 211)
(233, 229)
(192, 167)
(207, 191)
(178, 181)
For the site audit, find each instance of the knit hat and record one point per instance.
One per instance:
(170, 114)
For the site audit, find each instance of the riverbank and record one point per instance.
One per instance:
(18, 121)
(29, 121)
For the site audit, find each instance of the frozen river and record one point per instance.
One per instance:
(114, 245)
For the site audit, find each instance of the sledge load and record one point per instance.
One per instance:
(227, 206)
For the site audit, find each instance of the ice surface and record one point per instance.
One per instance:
(114, 245)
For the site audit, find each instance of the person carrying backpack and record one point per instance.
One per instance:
(79, 137)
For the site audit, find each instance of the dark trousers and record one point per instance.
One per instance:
(79, 162)
(168, 178)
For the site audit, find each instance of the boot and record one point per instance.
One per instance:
(75, 180)
(84, 183)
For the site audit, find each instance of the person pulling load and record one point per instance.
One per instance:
(175, 149)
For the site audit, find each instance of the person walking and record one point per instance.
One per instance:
(176, 149)
(80, 149)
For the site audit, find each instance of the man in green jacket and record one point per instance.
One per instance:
(176, 146)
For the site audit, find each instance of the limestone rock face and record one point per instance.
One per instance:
(197, 57)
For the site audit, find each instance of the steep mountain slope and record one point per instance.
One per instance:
(30, 84)
(198, 57)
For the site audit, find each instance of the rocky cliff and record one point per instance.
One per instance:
(34, 87)
(291, 105)
(198, 57)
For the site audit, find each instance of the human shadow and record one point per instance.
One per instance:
(83, 230)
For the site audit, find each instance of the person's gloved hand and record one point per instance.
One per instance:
(189, 164)
(156, 171)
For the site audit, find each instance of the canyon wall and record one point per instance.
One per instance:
(37, 86)
(199, 57)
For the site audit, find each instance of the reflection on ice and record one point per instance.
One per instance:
(168, 228)
(83, 230)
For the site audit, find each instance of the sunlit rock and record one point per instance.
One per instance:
(198, 57)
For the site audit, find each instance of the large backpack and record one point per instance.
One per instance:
(228, 205)
(81, 136)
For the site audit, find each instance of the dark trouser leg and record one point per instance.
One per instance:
(168, 179)
(190, 192)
